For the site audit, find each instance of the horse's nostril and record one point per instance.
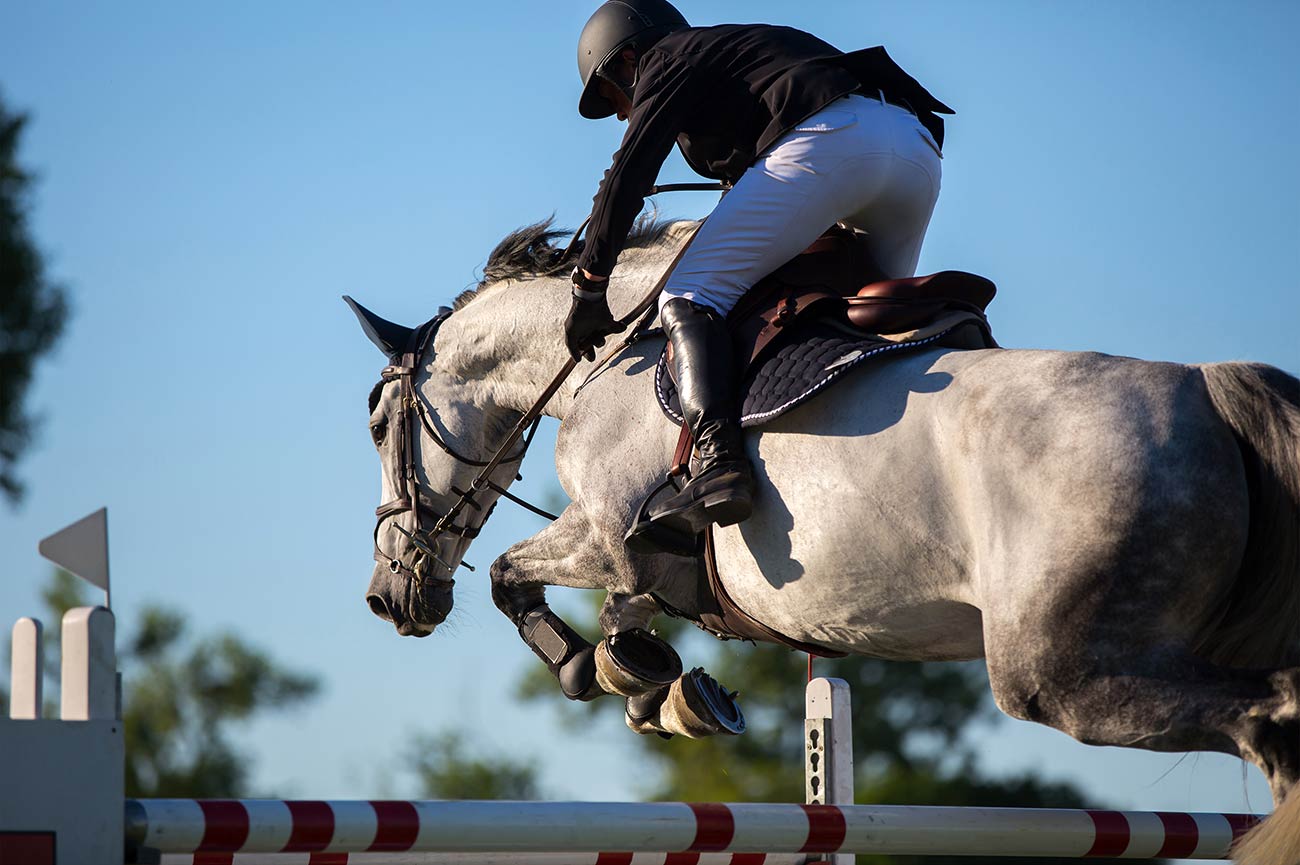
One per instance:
(379, 607)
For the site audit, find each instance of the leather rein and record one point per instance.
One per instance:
(414, 416)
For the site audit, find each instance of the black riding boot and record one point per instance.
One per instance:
(722, 485)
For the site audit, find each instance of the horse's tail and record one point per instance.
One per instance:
(1274, 841)
(1260, 622)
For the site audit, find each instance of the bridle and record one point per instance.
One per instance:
(413, 417)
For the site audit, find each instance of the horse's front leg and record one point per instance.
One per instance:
(562, 554)
(630, 660)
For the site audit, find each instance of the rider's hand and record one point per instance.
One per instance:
(590, 320)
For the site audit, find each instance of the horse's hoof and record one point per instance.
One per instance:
(636, 662)
(694, 706)
(698, 706)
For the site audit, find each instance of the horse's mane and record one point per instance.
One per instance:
(531, 252)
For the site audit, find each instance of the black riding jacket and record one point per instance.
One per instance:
(725, 94)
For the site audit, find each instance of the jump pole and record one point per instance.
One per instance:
(828, 829)
(483, 859)
(482, 828)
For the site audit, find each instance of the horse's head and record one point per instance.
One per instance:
(428, 439)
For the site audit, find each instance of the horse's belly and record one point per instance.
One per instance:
(860, 618)
(833, 592)
(857, 541)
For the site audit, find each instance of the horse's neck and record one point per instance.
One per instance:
(507, 344)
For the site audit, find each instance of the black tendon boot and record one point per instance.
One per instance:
(721, 488)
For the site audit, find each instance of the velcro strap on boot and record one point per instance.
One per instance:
(569, 657)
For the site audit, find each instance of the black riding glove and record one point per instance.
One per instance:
(590, 320)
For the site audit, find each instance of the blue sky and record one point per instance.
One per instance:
(212, 178)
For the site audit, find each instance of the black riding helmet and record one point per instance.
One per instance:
(616, 25)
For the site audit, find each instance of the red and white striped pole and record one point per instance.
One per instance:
(483, 859)
(275, 826)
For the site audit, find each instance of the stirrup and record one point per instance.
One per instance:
(721, 496)
(649, 537)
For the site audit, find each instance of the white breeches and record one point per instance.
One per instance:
(859, 161)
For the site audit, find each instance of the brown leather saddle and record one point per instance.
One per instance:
(837, 282)
(837, 279)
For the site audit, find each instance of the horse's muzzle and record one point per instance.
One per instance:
(410, 629)
(423, 607)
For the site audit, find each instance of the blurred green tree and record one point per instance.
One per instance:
(447, 767)
(32, 309)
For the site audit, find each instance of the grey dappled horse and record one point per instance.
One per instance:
(1120, 539)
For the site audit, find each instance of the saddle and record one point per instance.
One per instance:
(799, 329)
(836, 283)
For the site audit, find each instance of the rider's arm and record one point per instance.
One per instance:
(662, 102)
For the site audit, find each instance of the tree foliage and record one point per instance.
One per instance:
(32, 310)
(448, 767)
(185, 697)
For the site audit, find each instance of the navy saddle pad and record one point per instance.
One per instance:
(816, 355)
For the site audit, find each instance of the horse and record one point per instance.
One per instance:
(1119, 539)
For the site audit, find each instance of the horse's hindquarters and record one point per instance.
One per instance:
(925, 506)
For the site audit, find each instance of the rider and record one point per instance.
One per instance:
(806, 135)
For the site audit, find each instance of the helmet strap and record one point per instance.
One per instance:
(616, 80)
(627, 89)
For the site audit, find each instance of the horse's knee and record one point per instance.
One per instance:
(511, 597)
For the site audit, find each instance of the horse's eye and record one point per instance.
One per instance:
(377, 432)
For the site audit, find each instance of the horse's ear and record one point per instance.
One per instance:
(390, 338)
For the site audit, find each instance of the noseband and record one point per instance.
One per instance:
(412, 418)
